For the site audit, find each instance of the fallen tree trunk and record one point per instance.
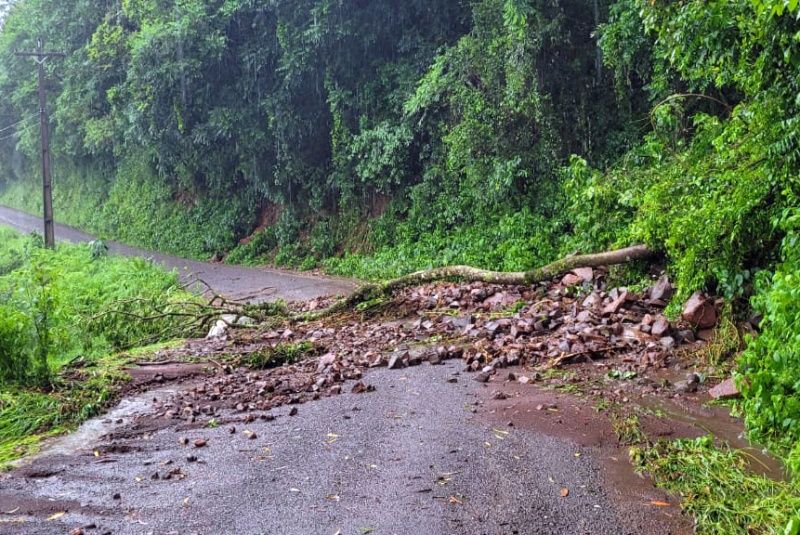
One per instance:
(368, 292)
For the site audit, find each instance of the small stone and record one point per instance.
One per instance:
(614, 306)
(660, 326)
(483, 377)
(200, 443)
(191, 458)
(76, 531)
(116, 496)
(492, 326)
(725, 390)
(667, 342)
(499, 395)
(706, 335)
(360, 388)
(293, 411)
(251, 435)
(396, 359)
(699, 311)
(325, 361)
(585, 273)
(662, 290)
(524, 379)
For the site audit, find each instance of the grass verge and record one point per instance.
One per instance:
(30, 415)
(719, 490)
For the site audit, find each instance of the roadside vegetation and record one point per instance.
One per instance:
(401, 136)
(717, 485)
(64, 315)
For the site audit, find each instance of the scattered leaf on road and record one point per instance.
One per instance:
(56, 516)
(500, 434)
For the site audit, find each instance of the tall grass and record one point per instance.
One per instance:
(51, 305)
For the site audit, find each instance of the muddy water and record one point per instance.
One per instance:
(92, 430)
(717, 421)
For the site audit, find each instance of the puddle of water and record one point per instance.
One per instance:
(718, 422)
(94, 429)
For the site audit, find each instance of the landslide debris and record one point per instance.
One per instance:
(573, 319)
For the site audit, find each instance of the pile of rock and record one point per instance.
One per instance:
(488, 326)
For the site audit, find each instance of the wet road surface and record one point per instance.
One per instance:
(257, 284)
(417, 456)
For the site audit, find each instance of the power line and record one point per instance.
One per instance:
(28, 118)
(15, 134)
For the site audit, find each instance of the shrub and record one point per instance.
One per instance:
(52, 306)
(769, 375)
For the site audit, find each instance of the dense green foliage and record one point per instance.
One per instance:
(53, 306)
(770, 371)
(204, 116)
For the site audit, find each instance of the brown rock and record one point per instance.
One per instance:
(200, 443)
(660, 326)
(325, 361)
(662, 290)
(483, 377)
(396, 359)
(571, 279)
(585, 273)
(700, 312)
(706, 335)
(614, 306)
(592, 300)
(360, 388)
(725, 390)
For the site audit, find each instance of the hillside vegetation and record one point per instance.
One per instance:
(380, 137)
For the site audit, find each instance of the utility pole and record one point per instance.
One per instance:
(40, 57)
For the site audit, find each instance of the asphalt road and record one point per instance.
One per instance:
(231, 281)
(410, 458)
(429, 452)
